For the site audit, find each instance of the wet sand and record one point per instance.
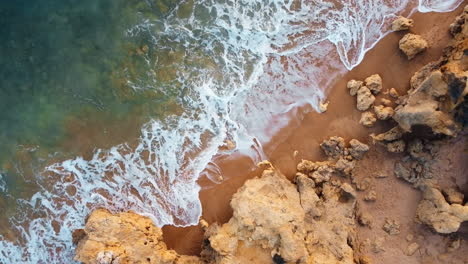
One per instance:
(341, 119)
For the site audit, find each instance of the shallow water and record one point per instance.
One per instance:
(122, 104)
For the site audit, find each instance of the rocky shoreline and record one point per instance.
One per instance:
(328, 214)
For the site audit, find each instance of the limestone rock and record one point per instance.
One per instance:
(371, 196)
(397, 146)
(393, 93)
(391, 226)
(367, 119)
(333, 147)
(364, 98)
(402, 23)
(411, 249)
(323, 106)
(278, 222)
(377, 245)
(318, 171)
(374, 83)
(124, 238)
(393, 134)
(365, 219)
(412, 45)
(354, 86)
(453, 245)
(453, 196)
(345, 166)
(434, 211)
(386, 102)
(383, 112)
(267, 214)
(423, 107)
(357, 149)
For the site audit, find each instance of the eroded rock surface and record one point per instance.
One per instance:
(274, 218)
(354, 86)
(367, 119)
(374, 83)
(383, 112)
(437, 213)
(412, 45)
(402, 23)
(125, 238)
(364, 99)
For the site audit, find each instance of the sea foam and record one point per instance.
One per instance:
(261, 60)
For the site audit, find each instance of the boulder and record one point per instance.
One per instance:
(402, 23)
(434, 211)
(364, 98)
(374, 83)
(354, 86)
(412, 44)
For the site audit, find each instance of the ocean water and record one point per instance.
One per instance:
(123, 103)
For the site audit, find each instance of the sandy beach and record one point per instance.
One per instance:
(341, 119)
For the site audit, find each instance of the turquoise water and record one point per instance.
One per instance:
(122, 104)
(65, 69)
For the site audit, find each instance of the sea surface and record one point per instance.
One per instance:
(122, 104)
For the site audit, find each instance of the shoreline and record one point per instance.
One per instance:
(314, 128)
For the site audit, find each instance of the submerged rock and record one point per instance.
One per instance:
(412, 45)
(402, 23)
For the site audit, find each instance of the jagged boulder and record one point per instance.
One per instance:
(423, 106)
(364, 99)
(412, 44)
(402, 23)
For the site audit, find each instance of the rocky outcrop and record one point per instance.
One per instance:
(412, 44)
(124, 238)
(425, 105)
(437, 213)
(280, 222)
(402, 23)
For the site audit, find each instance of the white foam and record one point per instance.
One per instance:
(3, 186)
(261, 60)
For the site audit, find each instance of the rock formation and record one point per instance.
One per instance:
(374, 83)
(364, 98)
(124, 238)
(354, 86)
(310, 222)
(402, 23)
(437, 213)
(412, 45)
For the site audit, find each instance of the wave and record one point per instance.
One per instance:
(233, 67)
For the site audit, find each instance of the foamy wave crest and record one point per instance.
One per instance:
(232, 67)
(438, 5)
